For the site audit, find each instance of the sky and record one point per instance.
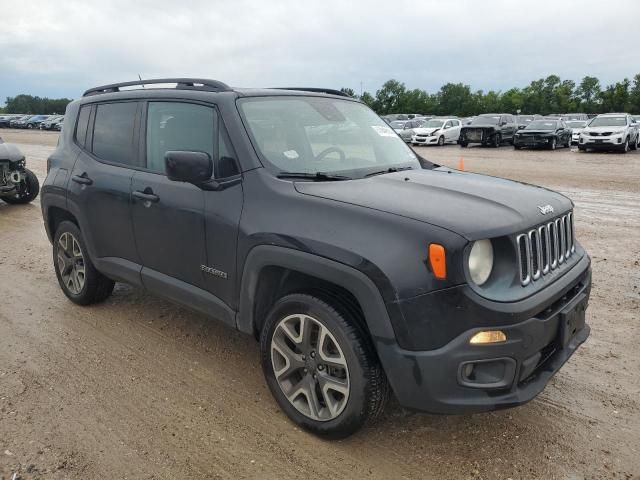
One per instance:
(59, 49)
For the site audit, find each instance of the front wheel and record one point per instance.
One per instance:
(464, 144)
(28, 190)
(625, 146)
(496, 141)
(634, 145)
(321, 367)
(441, 141)
(554, 143)
(77, 276)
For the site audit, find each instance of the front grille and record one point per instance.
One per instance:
(543, 249)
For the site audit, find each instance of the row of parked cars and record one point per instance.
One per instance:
(611, 131)
(42, 122)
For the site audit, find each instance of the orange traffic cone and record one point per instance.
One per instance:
(461, 164)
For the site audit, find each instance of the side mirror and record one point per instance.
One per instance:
(189, 167)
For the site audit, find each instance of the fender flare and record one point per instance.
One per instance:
(349, 278)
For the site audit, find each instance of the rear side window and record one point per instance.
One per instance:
(178, 126)
(113, 133)
(83, 122)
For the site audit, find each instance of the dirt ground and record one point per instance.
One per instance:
(139, 388)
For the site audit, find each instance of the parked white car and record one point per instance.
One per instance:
(437, 131)
(576, 127)
(610, 131)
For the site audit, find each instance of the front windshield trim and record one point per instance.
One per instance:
(608, 121)
(412, 159)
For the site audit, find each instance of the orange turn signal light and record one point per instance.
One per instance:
(437, 260)
(488, 336)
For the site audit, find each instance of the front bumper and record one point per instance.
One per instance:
(435, 380)
(424, 140)
(614, 142)
(532, 143)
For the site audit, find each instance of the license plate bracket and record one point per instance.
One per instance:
(572, 319)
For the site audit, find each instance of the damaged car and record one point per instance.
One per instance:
(17, 183)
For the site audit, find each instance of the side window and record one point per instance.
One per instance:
(113, 133)
(178, 126)
(448, 124)
(83, 122)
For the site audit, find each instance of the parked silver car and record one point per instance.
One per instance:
(409, 129)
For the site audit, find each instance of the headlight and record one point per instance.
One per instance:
(481, 261)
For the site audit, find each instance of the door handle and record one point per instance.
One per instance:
(82, 179)
(147, 195)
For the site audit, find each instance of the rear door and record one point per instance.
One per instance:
(99, 192)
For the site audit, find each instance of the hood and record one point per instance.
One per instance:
(604, 129)
(480, 125)
(472, 205)
(425, 131)
(10, 152)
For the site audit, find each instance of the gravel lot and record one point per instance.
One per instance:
(139, 388)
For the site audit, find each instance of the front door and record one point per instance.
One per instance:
(186, 235)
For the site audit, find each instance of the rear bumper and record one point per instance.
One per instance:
(435, 381)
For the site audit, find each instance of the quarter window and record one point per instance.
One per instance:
(83, 122)
(113, 133)
(178, 126)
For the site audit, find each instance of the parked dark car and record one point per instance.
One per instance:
(543, 134)
(35, 121)
(490, 129)
(17, 183)
(5, 120)
(301, 218)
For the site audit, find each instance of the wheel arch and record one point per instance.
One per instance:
(55, 216)
(270, 272)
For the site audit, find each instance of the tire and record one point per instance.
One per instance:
(568, 144)
(625, 146)
(464, 144)
(77, 276)
(581, 148)
(362, 383)
(516, 147)
(28, 190)
(497, 140)
(554, 143)
(634, 145)
(441, 141)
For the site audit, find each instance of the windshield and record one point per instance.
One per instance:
(608, 122)
(320, 134)
(433, 124)
(523, 119)
(485, 120)
(542, 125)
(398, 125)
(576, 124)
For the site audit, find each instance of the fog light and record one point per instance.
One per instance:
(488, 336)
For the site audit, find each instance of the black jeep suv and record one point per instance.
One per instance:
(298, 216)
(489, 129)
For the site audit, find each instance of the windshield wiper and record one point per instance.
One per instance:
(388, 170)
(318, 176)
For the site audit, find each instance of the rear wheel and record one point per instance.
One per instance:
(28, 190)
(321, 367)
(77, 276)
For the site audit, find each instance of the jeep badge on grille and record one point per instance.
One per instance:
(544, 209)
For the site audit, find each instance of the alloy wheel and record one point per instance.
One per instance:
(71, 263)
(310, 367)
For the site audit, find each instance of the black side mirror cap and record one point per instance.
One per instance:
(187, 166)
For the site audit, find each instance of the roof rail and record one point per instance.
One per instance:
(330, 91)
(181, 83)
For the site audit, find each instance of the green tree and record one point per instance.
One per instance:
(390, 97)
(348, 91)
(31, 104)
(634, 95)
(589, 92)
(615, 98)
